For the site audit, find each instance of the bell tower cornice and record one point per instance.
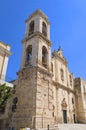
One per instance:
(39, 35)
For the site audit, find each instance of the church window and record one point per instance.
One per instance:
(31, 27)
(29, 55)
(53, 114)
(62, 74)
(52, 67)
(44, 29)
(70, 77)
(44, 94)
(72, 101)
(84, 89)
(44, 56)
(53, 107)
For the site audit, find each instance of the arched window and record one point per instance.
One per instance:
(29, 55)
(62, 74)
(44, 56)
(70, 77)
(52, 67)
(31, 27)
(44, 29)
(84, 89)
(72, 101)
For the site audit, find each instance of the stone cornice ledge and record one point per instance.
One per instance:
(35, 34)
(4, 51)
(44, 71)
(58, 85)
(38, 69)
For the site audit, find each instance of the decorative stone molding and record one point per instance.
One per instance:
(4, 51)
(57, 56)
(39, 35)
(58, 85)
(64, 104)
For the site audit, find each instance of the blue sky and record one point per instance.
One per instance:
(68, 29)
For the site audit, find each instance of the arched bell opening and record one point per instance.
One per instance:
(44, 56)
(44, 29)
(29, 55)
(31, 28)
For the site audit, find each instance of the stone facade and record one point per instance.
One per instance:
(63, 89)
(34, 108)
(80, 88)
(4, 57)
(4, 54)
(45, 86)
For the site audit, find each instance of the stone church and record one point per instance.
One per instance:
(47, 91)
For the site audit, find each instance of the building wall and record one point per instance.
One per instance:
(59, 95)
(4, 55)
(63, 88)
(26, 93)
(46, 95)
(34, 92)
(80, 87)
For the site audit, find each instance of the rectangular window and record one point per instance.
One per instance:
(84, 89)
(70, 78)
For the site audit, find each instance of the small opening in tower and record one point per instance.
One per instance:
(72, 101)
(29, 55)
(51, 66)
(31, 28)
(70, 77)
(44, 29)
(62, 74)
(44, 56)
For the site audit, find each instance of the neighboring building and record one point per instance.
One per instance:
(4, 56)
(45, 86)
(80, 88)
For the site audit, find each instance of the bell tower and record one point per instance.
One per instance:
(36, 44)
(34, 86)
